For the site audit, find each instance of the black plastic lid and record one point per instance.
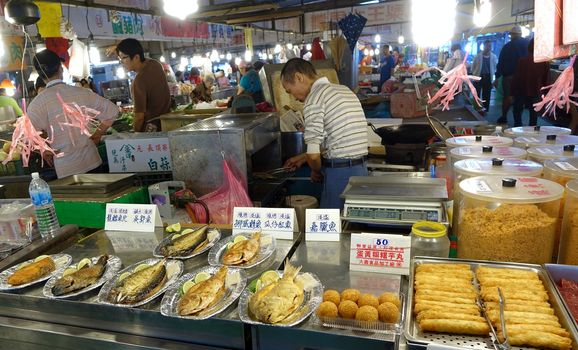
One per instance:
(537, 128)
(508, 182)
(551, 137)
(487, 149)
(478, 138)
(497, 161)
(569, 148)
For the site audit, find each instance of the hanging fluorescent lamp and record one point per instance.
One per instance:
(526, 31)
(290, 46)
(237, 61)
(120, 73)
(400, 39)
(94, 55)
(482, 12)
(377, 38)
(184, 61)
(214, 56)
(248, 56)
(366, 52)
(179, 8)
(371, 53)
(277, 48)
(433, 22)
(308, 47)
(228, 56)
(270, 56)
(162, 59)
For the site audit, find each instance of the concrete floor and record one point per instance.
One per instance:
(495, 112)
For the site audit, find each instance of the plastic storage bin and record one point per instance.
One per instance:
(508, 218)
(561, 170)
(568, 251)
(478, 140)
(542, 154)
(470, 152)
(17, 221)
(530, 131)
(545, 140)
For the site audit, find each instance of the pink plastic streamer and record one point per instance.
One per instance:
(76, 116)
(560, 93)
(452, 84)
(27, 138)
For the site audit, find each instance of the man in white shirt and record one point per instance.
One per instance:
(484, 66)
(76, 153)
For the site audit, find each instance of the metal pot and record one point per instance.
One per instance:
(292, 144)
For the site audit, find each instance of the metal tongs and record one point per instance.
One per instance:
(275, 174)
(498, 345)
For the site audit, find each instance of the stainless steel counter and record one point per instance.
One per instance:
(330, 262)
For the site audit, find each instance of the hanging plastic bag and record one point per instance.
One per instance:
(221, 202)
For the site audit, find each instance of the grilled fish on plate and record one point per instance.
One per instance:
(187, 243)
(243, 251)
(203, 295)
(32, 272)
(81, 278)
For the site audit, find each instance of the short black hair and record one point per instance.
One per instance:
(47, 63)
(39, 83)
(297, 65)
(131, 47)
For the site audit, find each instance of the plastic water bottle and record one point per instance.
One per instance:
(45, 212)
(498, 131)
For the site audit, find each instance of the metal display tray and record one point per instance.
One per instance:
(417, 340)
(556, 272)
(91, 183)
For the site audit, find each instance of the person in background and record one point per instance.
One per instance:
(573, 110)
(150, 89)
(509, 56)
(7, 101)
(195, 76)
(76, 153)
(457, 57)
(401, 59)
(250, 82)
(179, 76)
(202, 92)
(84, 83)
(527, 81)
(484, 66)
(39, 85)
(386, 66)
(222, 79)
(395, 55)
(335, 130)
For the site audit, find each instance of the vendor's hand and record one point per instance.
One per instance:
(295, 162)
(316, 176)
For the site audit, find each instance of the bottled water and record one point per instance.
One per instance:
(498, 131)
(44, 206)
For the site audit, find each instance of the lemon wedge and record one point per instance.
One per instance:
(69, 271)
(86, 262)
(174, 227)
(269, 277)
(187, 285)
(202, 276)
(141, 267)
(239, 238)
(259, 285)
(123, 276)
(24, 264)
(175, 236)
(41, 257)
(187, 231)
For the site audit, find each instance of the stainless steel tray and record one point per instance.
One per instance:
(172, 297)
(91, 183)
(420, 340)
(555, 273)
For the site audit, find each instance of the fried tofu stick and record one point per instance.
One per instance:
(510, 273)
(499, 282)
(450, 315)
(511, 287)
(521, 307)
(495, 315)
(522, 320)
(465, 294)
(426, 297)
(436, 305)
(449, 273)
(535, 327)
(454, 326)
(441, 280)
(530, 303)
(537, 339)
(508, 294)
(442, 267)
(445, 287)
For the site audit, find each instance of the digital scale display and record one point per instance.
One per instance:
(392, 214)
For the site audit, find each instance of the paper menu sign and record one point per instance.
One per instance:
(278, 222)
(322, 225)
(383, 253)
(138, 155)
(132, 217)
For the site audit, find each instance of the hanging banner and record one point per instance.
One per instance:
(137, 4)
(173, 27)
(13, 50)
(49, 23)
(249, 39)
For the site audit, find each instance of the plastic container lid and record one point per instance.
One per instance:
(514, 189)
(497, 166)
(545, 140)
(552, 152)
(478, 140)
(486, 152)
(536, 130)
(429, 229)
(566, 167)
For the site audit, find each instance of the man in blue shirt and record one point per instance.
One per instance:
(507, 63)
(250, 82)
(386, 66)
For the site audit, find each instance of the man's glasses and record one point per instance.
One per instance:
(122, 58)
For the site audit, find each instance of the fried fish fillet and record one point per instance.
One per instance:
(32, 272)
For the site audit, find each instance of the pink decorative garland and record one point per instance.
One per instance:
(560, 93)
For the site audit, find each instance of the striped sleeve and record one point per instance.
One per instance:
(314, 127)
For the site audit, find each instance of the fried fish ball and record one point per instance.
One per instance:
(332, 295)
(368, 299)
(350, 294)
(367, 313)
(347, 309)
(390, 297)
(327, 309)
(388, 312)
(455, 326)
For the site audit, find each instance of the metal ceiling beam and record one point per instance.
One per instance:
(214, 11)
(264, 17)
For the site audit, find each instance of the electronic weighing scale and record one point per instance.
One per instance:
(394, 201)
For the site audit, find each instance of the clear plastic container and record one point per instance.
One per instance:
(470, 152)
(478, 140)
(545, 140)
(542, 154)
(561, 170)
(429, 239)
(511, 219)
(529, 131)
(17, 221)
(568, 252)
(44, 205)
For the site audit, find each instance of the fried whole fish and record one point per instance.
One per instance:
(139, 285)
(187, 244)
(203, 295)
(32, 272)
(243, 251)
(277, 301)
(81, 278)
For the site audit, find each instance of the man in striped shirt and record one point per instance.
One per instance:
(335, 130)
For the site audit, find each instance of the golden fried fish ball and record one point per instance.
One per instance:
(388, 312)
(327, 309)
(366, 313)
(368, 299)
(350, 294)
(333, 296)
(347, 309)
(390, 297)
